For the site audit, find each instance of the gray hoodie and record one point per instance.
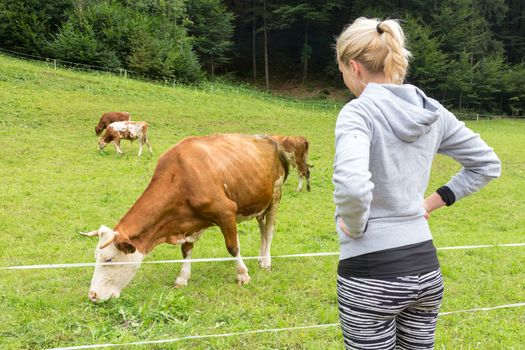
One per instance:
(385, 143)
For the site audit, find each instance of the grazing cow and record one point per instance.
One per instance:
(215, 180)
(110, 117)
(128, 131)
(296, 148)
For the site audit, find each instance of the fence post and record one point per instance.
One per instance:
(55, 64)
(125, 74)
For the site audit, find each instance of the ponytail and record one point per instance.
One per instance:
(379, 46)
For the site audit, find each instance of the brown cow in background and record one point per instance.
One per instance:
(296, 148)
(111, 117)
(215, 180)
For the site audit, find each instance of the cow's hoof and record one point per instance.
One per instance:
(265, 264)
(181, 282)
(243, 279)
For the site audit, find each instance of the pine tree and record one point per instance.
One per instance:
(211, 26)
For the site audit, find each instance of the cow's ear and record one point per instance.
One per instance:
(126, 247)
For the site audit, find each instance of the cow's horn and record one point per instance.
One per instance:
(108, 242)
(90, 234)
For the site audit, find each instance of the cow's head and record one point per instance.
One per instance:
(110, 277)
(98, 130)
(102, 143)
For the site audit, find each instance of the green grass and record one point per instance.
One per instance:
(54, 184)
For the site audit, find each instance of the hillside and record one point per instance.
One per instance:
(55, 183)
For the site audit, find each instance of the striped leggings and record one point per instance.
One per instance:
(390, 313)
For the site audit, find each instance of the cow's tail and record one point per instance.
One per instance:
(284, 160)
(282, 155)
(306, 165)
(306, 150)
(306, 153)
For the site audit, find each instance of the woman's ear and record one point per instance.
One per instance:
(355, 67)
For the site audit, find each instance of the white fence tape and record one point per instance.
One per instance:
(483, 246)
(73, 265)
(482, 309)
(272, 330)
(172, 340)
(58, 266)
(189, 337)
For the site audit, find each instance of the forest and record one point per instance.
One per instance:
(468, 54)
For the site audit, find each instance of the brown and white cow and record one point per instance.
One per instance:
(296, 148)
(128, 131)
(216, 180)
(111, 117)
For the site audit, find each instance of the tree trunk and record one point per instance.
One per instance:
(212, 66)
(254, 53)
(80, 9)
(305, 53)
(266, 73)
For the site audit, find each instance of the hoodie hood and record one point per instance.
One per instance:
(408, 111)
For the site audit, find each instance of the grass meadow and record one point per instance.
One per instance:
(55, 183)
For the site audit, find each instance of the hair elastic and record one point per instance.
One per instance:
(379, 30)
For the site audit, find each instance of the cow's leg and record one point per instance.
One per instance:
(307, 176)
(228, 224)
(268, 229)
(261, 221)
(242, 270)
(186, 248)
(266, 237)
(300, 185)
(149, 144)
(117, 145)
(185, 272)
(140, 147)
(304, 171)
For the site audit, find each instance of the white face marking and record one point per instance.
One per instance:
(109, 280)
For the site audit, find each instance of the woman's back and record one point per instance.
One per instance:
(392, 133)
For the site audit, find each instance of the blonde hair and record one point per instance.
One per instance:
(378, 45)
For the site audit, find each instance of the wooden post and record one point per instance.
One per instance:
(55, 64)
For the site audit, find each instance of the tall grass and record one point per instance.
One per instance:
(54, 183)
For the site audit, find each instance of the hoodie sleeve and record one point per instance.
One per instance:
(480, 163)
(351, 179)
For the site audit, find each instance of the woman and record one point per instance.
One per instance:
(389, 281)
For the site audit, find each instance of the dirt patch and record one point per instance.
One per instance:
(310, 90)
